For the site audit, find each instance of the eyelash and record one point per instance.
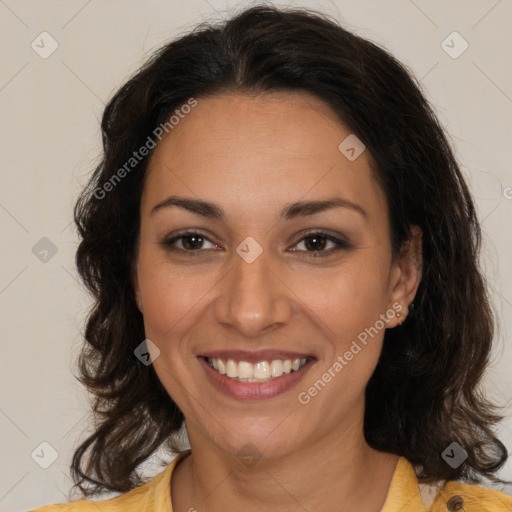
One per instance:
(340, 244)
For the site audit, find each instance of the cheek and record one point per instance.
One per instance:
(344, 300)
(173, 301)
(346, 310)
(171, 295)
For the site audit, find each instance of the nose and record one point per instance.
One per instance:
(253, 299)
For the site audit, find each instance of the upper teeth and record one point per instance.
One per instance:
(259, 372)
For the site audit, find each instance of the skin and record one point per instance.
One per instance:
(252, 156)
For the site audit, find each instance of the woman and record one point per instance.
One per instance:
(283, 254)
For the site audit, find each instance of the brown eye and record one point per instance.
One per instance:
(189, 242)
(320, 244)
(315, 242)
(192, 242)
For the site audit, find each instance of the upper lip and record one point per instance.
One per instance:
(255, 356)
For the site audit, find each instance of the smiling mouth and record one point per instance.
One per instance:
(263, 371)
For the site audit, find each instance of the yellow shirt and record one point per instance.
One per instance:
(405, 495)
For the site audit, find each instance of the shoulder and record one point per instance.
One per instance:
(135, 500)
(456, 495)
(409, 494)
(153, 496)
(141, 499)
(54, 508)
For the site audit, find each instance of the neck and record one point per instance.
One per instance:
(338, 473)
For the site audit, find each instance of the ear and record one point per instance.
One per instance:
(136, 287)
(406, 276)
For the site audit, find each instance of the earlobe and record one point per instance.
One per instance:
(138, 300)
(136, 288)
(409, 272)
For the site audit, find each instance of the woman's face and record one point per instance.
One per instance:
(239, 190)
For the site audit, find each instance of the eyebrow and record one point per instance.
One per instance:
(289, 212)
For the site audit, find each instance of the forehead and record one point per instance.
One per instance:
(259, 152)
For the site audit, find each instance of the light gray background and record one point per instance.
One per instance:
(50, 110)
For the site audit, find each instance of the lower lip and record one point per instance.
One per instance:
(254, 390)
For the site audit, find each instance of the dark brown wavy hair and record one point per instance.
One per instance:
(424, 393)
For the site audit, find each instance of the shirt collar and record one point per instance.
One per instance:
(404, 493)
